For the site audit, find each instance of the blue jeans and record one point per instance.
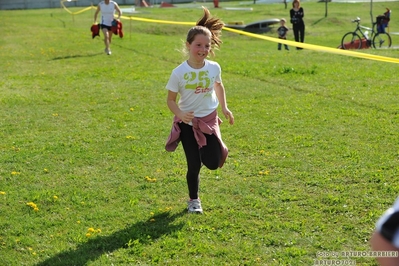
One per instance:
(279, 46)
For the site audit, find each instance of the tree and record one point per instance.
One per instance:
(325, 15)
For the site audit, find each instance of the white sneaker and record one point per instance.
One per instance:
(109, 52)
(194, 206)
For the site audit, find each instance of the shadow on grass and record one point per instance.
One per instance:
(75, 56)
(143, 232)
(318, 21)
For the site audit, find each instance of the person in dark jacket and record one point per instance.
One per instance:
(298, 26)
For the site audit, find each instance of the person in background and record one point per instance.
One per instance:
(386, 236)
(107, 8)
(196, 122)
(298, 26)
(383, 20)
(282, 33)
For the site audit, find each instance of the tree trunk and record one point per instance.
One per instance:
(325, 15)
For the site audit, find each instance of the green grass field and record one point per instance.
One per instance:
(85, 178)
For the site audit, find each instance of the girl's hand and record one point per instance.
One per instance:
(186, 117)
(229, 115)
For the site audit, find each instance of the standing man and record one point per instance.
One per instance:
(107, 8)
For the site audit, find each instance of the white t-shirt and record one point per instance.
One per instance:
(388, 224)
(196, 87)
(107, 13)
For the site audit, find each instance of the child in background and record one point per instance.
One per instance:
(196, 122)
(383, 20)
(282, 33)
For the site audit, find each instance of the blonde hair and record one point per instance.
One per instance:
(208, 26)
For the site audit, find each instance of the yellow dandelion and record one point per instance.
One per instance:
(88, 235)
(34, 253)
(55, 114)
(151, 180)
(131, 109)
(55, 197)
(36, 209)
(2, 193)
(15, 173)
(91, 230)
(78, 222)
(31, 204)
(15, 148)
(45, 170)
(151, 213)
(30, 249)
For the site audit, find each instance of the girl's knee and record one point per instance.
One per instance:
(212, 165)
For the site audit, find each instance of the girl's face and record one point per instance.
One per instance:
(199, 48)
(296, 4)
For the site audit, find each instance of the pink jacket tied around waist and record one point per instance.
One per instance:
(201, 125)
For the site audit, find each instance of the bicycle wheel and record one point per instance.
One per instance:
(382, 41)
(351, 40)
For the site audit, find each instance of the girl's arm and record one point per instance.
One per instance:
(220, 93)
(186, 117)
(96, 13)
(118, 10)
(379, 243)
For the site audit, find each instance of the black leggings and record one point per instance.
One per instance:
(209, 155)
(299, 32)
